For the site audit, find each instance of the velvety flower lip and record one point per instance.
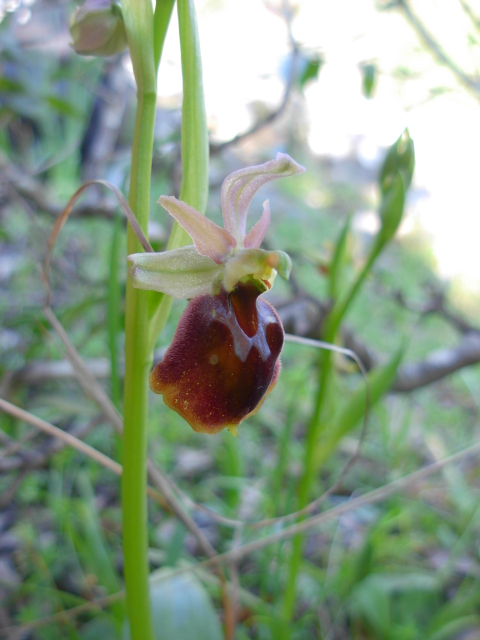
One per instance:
(225, 355)
(220, 257)
(223, 360)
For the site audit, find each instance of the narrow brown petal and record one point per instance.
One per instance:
(223, 359)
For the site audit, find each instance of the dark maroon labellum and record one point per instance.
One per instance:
(223, 359)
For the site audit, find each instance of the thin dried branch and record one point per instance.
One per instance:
(472, 84)
(18, 631)
(33, 459)
(69, 207)
(304, 316)
(435, 304)
(439, 364)
(469, 11)
(371, 497)
(37, 372)
(68, 438)
(87, 381)
(274, 115)
(34, 191)
(71, 441)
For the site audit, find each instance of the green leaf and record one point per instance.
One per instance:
(163, 13)
(371, 603)
(338, 261)
(460, 607)
(400, 158)
(311, 70)
(63, 107)
(96, 544)
(391, 211)
(10, 86)
(454, 629)
(181, 609)
(369, 78)
(353, 409)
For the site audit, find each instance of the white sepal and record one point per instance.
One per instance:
(182, 273)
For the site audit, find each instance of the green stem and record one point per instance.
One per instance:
(138, 17)
(135, 403)
(146, 36)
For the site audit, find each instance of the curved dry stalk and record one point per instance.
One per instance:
(122, 201)
(62, 218)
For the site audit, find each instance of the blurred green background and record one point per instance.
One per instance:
(334, 85)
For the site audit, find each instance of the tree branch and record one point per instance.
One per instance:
(439, 364)
(472, 84)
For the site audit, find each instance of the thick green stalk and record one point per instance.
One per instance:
(138, 16)
(135, 402)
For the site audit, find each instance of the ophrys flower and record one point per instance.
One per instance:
(224, 357)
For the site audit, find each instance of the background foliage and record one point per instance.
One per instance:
(404, 568)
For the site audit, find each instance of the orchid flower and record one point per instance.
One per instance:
(224, 357)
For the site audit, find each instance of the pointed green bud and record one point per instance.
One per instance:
(97, 29)
(400, 158)
(391, 210)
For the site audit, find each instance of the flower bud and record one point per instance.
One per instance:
(400, 159)
(391, 209)
(97, 29)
